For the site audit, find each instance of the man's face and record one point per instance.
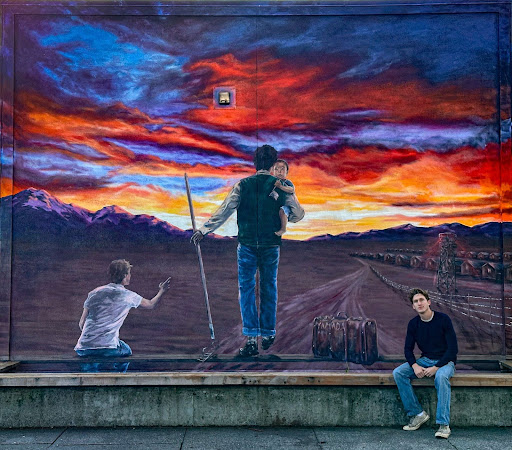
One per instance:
(420, 304)
(279, 170)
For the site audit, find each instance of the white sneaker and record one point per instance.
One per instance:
(416, 422)
(443, 432)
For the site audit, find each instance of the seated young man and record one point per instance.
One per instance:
(106, 309)
(433, 332)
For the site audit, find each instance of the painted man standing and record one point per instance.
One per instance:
(435, 336)
(258, 245)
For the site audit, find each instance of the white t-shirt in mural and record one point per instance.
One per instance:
(108, 307)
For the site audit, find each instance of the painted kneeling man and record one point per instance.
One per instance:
(433, 332)
(106, 309)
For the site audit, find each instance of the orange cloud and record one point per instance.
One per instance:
(130, 196)
(467, 166)
(282, 94)
(40, 118)
(427, 189)
(166, 168)
(6, 187)
(344, 190)
(423, 188)
(356, 166)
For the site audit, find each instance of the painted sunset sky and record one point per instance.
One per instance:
(384, 120)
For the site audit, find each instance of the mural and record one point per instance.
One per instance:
(391, 126)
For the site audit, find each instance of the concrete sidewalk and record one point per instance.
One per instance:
(211, 438)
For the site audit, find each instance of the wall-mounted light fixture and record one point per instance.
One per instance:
(224, 97)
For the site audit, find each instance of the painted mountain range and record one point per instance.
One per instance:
(37, 215)
(489, 230)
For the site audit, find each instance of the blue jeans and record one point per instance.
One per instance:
(266, 261)
(96, 367)
(123, 349)
(403, 376)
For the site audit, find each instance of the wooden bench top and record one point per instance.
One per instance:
(270, 358)
(478, 379)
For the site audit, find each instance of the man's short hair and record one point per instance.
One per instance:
(118, 269)
(283, 162)
(265, 157)
(418, 291)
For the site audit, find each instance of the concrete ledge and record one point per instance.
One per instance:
(240, 399)
(241, 406)
(238, 379)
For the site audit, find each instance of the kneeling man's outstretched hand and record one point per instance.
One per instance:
(164, 285)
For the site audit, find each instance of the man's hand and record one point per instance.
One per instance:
(196, 237)
(164, 285)
(418, 370)
(430, 371)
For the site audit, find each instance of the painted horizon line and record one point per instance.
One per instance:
(39, 199)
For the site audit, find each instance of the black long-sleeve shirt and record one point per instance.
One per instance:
(436, 339)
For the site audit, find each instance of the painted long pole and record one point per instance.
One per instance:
(199, 256)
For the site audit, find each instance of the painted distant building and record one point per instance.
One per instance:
(472, 267)
(492, 271)
(495, 256)
(390, 258)
(418, 262)
(431, 263)
(508, 272)
(403, 260)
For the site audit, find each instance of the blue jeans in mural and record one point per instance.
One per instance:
(403, 376)
(266, 261)
(123, 349)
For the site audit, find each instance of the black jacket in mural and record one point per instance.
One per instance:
(258, 211)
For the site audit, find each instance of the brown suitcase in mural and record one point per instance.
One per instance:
(338, 337)
(362, 341)
(321, 332)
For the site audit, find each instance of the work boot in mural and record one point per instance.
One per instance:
(267, 341)
(250, 349)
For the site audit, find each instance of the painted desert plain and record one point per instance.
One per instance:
(61, 252)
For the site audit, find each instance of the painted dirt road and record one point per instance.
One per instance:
(45, 315)
(356, 295)
(295, 315)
